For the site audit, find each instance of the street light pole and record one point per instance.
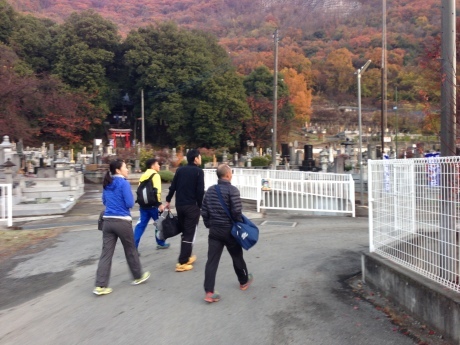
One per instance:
(275, 102)
(358, 72)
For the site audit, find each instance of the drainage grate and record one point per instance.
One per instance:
(275, 223)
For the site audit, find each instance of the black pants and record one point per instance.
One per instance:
(111, 231)
(216, 242)
(188, 216)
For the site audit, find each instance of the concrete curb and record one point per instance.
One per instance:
(412, 291)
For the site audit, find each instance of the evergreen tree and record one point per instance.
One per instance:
(32, 40)
(7, 21)
(85, 49)
(192, 93)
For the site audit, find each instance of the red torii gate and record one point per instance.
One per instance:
(121, 133)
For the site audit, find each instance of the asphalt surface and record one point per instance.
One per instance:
(299, 294)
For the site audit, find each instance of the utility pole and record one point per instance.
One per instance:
(397, 126)
(384, 74)
(448, 80)
(447, 231)
(275, 101)
(142, 118)
(358, 73)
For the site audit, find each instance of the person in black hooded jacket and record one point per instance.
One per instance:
(188, 185)
(220, 225)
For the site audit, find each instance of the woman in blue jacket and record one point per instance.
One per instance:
(118, 199)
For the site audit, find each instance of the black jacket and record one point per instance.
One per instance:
(188, 184)
(214, 215)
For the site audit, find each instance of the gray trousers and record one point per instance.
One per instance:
(111, 231)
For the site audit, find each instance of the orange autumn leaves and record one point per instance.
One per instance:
(299, 94)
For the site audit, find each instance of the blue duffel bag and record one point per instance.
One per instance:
(245, 232)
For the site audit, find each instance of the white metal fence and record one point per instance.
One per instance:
(414, 215)
(314, 195)
(6, 204)
(294, 175)
(293, 190)
(248, 185)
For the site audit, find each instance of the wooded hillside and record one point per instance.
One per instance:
(314, 29)
(322, 43)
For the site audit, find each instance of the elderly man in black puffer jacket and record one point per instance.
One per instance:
(220, 225)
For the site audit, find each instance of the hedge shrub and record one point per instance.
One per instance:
(166, 176)
(260, 162)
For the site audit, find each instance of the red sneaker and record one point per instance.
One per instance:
(212, 297)
(250, 280)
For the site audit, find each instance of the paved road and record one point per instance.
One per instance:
(298, 295)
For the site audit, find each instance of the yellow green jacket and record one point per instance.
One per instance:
(156, 180)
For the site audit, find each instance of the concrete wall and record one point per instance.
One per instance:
(433, 303)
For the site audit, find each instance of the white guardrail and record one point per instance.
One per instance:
(6, 204)
(293, 190)
(414, 211)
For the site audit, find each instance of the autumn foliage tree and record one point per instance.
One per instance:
(64, 115)
(429, 84)
(299, 95)
(36, 109)
(258, 128)
(259, 89)
(339, 77)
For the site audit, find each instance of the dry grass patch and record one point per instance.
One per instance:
(13, 241)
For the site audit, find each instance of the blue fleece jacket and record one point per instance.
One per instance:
(118, 198)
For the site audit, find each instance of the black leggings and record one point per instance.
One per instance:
(188, 216)
(216, 242)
